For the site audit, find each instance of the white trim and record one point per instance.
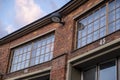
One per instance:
(33, 38)
(94, 50)
(97, 55)
(31, 73)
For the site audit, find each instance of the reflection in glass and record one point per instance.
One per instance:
(111, 27)
(108, 71)
(89, 74)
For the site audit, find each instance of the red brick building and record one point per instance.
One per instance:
(80, 41)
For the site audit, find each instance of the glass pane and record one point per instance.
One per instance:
(47, 49)
(90, 28)
(28, 55)
(79, 34)
(43, 42)
(38, 52)
(21, 50)
(24, 56)
(96, 25)
(37, 60)
(117, 3)
(79, 43)
(102, 21)
(84, 32)
(51, 55)
(90, 18)
(26, 63)
(25, 49)
(42, 50)
(89, 38)
(46, 57)
(111, 16)
(29, 47)
(118, 13)
(111, 27)
(20, 58)
(84, 21)
(96, 35)
(34, 53)
(108, 71)
(102, 11)
(103, 32)
(16, 52)
(41, 58)
(118, 24)
(111, 5)
(83, 41)
(89, 74)
(32, 61)
(22, 65)
(96, 14)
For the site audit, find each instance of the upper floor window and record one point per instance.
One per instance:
(35, 52)
(98, 23)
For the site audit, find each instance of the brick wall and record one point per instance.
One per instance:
(64, 42)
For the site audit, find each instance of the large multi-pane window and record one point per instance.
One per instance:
(35, 52)
(104, 71)
(99, 23)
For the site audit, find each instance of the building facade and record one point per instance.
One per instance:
(81, 43)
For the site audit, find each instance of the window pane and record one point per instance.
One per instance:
(111, 16)
(108, 71)
(83, 41)
(90, 28)
(103, 32)
(89, 38)
(84, 21)
(102, 21)
(118, 13)
(79, 43)
(117, 3)
(111, 27)
(96, 25)
(41, 58)
(89, 74)
(118, 24)
(84, 32)
(79, 34)
(96, 14)
(96, 35)
(102, 11)
(90, 18)
(111, 5)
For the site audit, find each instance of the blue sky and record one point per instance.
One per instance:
(15, 14)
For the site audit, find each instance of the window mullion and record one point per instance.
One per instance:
(107, 12)
(31, 53)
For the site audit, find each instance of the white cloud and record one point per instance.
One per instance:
(3, 32)
(27, 11)
(10, 29)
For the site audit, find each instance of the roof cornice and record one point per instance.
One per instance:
(65, 10)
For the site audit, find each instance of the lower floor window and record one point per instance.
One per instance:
(104, 71)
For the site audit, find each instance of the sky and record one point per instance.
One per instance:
(15, 14)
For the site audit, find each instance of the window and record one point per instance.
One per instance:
(95, 24)
(33, 53)
(89, 74)
(105, 71)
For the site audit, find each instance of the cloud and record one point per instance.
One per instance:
(3, 32)
(10, 29)
(27, 11)
(53, 5)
